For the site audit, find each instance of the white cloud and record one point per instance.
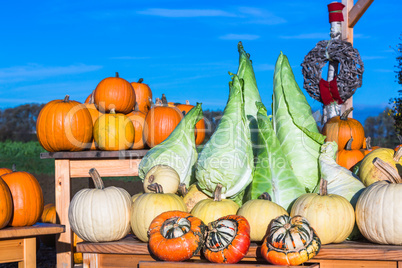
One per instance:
(307, 36)
(185, 13)
(239, 37)
(20, 73)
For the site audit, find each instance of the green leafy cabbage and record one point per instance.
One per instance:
(272, 172)
(178, 151)
(295, 126)
(227, 157)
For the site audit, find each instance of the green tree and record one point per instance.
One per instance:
(381, 130)
(19, 123)
(396, 109)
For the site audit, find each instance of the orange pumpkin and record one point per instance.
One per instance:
(160, 121)
(349, 157)
(176, 236)
(199, 127)
(143, 94)
(6, 204)
(90, 98)
(27, 198)
(95, 113)
(64, 125)
(5, 171)
(114, 93)
(49, 214)
(366, 149)
(341, 129)
(138, 119)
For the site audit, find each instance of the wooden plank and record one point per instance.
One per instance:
(127, 245)
(29, 253)
(94, 154)
(90, 260)
(11, 250)
(121, 260)
(354, 264)
(38, 228)
(106, 168)
(357, 11)
(203, 264)
(64, 245)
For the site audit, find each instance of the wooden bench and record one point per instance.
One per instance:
(18, 244)
(130, 252)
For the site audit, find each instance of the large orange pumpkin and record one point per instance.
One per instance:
(95, 113)
(341, 129)
(138, 119)
(6, 204)
(143, 95)
(114, 93)
(199, 127)
(161, 120)
(27, 198)
(64, 125)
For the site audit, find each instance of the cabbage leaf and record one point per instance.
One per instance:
(272, 172)
(295, 126)
(227, 157)
(178, 151)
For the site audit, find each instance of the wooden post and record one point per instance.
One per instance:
(351, 14)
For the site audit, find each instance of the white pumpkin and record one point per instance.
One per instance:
(378, 209)
(162, 175)
(100, 214)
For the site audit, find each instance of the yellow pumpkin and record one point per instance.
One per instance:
(369, 174)
(164, 175)
(149, 205)
(113, 132)
(332, 216)
(192, 195)
(259, 213)
(209, 210)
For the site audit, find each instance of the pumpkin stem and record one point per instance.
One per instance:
(155, 187)
(217, 192)
(346, 113)
(368, 143)
(323, 187)
(187, 102)
(96, 178)
(151, 179)
(140, 80)
(164, 100)
(391, 174)
(117, 74)
(398, 154)
(158, 102)
(92, 98)
(14, 168)
(349, 144)
(183, 189)
(66, 98)
(136, 108)
(265, 196)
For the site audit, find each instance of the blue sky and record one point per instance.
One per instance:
(181, 48)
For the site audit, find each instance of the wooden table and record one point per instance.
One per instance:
(18, 244)
(76, 165)
(130, 252)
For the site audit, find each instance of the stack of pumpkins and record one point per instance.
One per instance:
(21, 198)
(117, 115)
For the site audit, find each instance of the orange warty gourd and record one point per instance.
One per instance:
(27, 198)
(161, 120)
(199, 127)
(6, 204)
(341, 129)
(64, 125)
(114, 93)
(349, 157)
(138, 119)
(143, 95)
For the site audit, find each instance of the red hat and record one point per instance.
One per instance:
(335, 11)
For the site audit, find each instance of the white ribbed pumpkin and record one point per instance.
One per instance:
(100, 214)
(259, 213)
(378, 209)
(149, 205)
